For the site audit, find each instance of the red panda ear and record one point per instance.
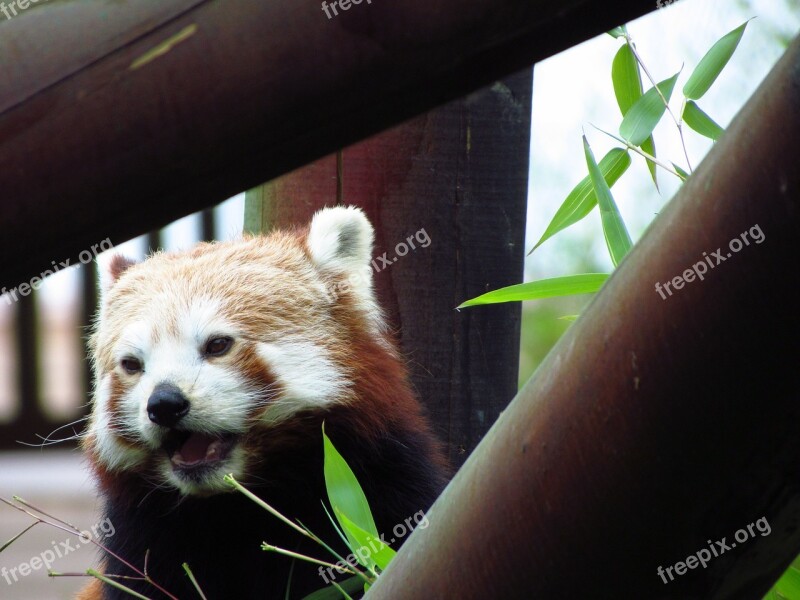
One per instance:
(340, 239)
(340, 244)
(111, 272)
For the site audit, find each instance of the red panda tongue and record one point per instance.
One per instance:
(196, 449)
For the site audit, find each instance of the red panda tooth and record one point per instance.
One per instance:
(213, 449)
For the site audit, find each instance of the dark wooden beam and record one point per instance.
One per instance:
(654, 425)
(119, 117)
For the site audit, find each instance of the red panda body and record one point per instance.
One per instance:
(227, 359)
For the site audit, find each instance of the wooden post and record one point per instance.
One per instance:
(456, 177)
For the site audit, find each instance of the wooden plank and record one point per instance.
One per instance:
(248, 90)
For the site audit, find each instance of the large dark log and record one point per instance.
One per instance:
(118, 117)
(656, 427)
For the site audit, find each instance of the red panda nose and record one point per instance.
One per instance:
(167, 405)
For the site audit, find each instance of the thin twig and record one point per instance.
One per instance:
(232, 481)
(72, 530)
(333, 552)
(638, 150)
(344, 594)
(194, 581)
(270, 548)
(678, 123)
(84, 574)
(39, 510)
(19, 535)
(114, 584)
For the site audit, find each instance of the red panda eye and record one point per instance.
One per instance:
(131, 365)
(218, 346)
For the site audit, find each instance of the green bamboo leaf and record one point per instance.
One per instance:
(369, 549)
(626, 78)
(619, 32)
(683, 174)
(335, 524)
(711, 65)
(581, 200)
(350, 585)
(646, 112)
(649, 146)
(789, 584)
(569, 285)
(344, 491)
(617, 238)
(695, 118)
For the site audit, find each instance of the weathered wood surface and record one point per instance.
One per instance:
(456, 180)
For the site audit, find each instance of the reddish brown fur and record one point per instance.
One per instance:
(377, 424)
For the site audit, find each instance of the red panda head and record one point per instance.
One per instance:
(195, 351)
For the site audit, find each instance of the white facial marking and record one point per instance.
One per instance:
(111, 453)
(307, 375)
(219, 396)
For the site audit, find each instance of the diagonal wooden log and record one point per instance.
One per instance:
(118, 117)
(657, 427)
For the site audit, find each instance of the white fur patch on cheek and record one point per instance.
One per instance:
(306, 373)
(114, 455)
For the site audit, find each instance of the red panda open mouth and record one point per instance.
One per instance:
(190, 450)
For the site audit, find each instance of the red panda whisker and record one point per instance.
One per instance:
(46, 441)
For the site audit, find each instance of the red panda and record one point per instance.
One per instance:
(227, 358)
